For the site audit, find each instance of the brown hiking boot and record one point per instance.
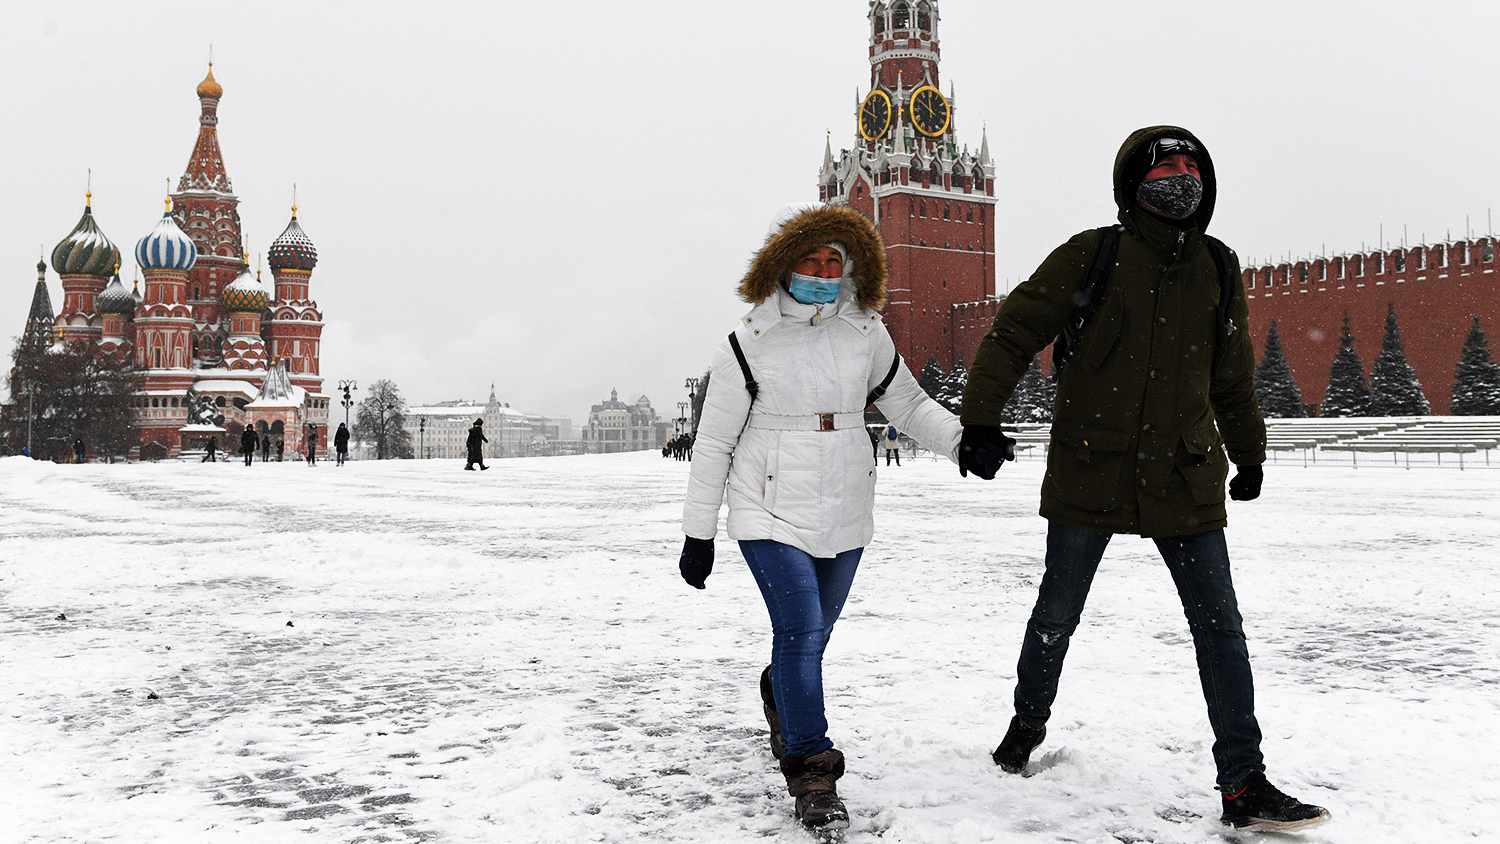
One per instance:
(768, 705)
(811, 781)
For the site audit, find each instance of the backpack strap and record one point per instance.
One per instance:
(739, 354)
(1224, 263)
(885, 383)
(1087, 298)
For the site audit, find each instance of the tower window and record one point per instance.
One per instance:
(970, 214)
(924, 18)
(1400, 262)
(922, 212)
(879, 22)
(945, 213)
(1487, 251)
(900, 16)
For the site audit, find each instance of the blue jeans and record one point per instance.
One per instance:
(804, 595)
(1200, 568)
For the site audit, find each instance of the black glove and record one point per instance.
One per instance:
(697, 561)
(1245, 485)
(983, 450)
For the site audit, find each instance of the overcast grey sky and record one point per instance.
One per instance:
(560, 197)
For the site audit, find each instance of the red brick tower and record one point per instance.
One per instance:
(295, 329)
(244, 299)
(164, 324)
(84, 260)
(932, 200)
(207, 209)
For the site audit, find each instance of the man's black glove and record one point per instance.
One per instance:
(697, 561)
(983, 450)
(1245, 485)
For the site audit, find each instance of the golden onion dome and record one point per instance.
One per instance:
(245, 295)
(209, 88)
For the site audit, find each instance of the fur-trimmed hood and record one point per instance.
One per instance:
(815, 227)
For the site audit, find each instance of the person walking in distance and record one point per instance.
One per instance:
(248, 442)
(265, 449)
(782, 430)
(312, 445)
(475, 445)
(341, 443)
(211, 451)
(1155, 399)
(892, 445)
(280, 448)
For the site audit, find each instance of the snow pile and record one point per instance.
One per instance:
(393, 651)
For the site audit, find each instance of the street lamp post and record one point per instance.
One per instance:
(692, 387)
(682, 411)
(30, 414)
(347, 401)
(422, 430)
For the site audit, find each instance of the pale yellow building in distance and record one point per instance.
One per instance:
(615, 426)
(441, 431)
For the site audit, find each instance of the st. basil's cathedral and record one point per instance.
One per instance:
(214, 350)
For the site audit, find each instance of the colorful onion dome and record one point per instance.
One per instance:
(86, 251)
(245, 295)
(115, 299)
(293, 250)
(166, 247)
(210, 88)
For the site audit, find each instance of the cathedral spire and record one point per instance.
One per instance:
(984, 145)
(40, 320)
(828, 151)
(205, 170)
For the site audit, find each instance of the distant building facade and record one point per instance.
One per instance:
(441, 431)
(615, 426)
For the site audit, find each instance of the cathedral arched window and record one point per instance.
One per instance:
(195, 347)
(945, 213)
(1487, 251)
(900, 16)
(879, 21)
(936, 175)
(923, 211)
(979, 181)
(924, 18)
(969, 213)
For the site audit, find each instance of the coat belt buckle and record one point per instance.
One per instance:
(825, 421)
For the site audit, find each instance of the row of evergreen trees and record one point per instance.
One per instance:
(1031, 402)
(1392, 389)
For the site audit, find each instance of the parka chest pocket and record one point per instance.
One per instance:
(1203, 464)
(1088, 466)
(1102, 334)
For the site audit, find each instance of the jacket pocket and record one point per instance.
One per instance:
(773, 468)
(1088, 466)
(1203, 464)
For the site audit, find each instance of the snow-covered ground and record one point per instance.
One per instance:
(407, 651)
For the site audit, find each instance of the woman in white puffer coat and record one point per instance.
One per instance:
(783, 432)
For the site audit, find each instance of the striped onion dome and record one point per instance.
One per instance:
(245, 295)
(166, 247)
(293, 250)
(86, 251)
(115, 299)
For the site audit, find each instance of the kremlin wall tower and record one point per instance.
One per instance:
(214, 349)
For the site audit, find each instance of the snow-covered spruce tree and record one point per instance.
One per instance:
(1347, 393)
(1476, 383)
(931, 379)
(1394, 389)
(1275, 389)
(952, 387)
(1029, 403)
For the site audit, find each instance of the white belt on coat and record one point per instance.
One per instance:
(808, 422)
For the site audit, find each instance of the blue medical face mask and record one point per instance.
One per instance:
(811, 290)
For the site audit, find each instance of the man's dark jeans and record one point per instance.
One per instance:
(1200, 567)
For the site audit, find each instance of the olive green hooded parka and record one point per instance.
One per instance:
(1161, 383)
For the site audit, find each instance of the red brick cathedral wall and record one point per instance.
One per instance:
(1436, 290)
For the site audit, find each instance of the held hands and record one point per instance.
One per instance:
(697, 561)
(1245, 485)
(983, 450)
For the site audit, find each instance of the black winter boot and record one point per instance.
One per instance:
(1255, 805)
(811, 781)
(768, 704)
(1015, 749)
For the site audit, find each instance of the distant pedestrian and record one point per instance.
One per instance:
(280, 448)
(475, 444)
(265, 449)
(874, 443)
(80, 453)
(248, 442)
(892, 444)
(211, 451)
(312, 445)
(341, 442)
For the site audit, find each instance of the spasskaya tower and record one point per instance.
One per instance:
(931, 199)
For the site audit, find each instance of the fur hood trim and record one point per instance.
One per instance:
(814, 227)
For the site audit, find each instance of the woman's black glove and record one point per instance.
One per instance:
(697, 561)
(983, 450)
(1245, 485)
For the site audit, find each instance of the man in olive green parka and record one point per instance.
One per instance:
(1155, 402)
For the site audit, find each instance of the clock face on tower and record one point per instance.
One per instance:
(929, 111)
(875, 115)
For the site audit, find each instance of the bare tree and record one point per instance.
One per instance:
(63, 392)
(381, 420)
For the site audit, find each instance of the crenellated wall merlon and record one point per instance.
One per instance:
(1450, 259)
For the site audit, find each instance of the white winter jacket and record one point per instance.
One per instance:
(811, 489)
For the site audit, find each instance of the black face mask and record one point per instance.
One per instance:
(1175, 197)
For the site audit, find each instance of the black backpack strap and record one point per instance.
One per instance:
(739, 355)
(1101, 263)
(885, 382)
(1224, 263)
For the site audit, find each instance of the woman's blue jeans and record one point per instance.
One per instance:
(1200, 568)
(804, 595)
